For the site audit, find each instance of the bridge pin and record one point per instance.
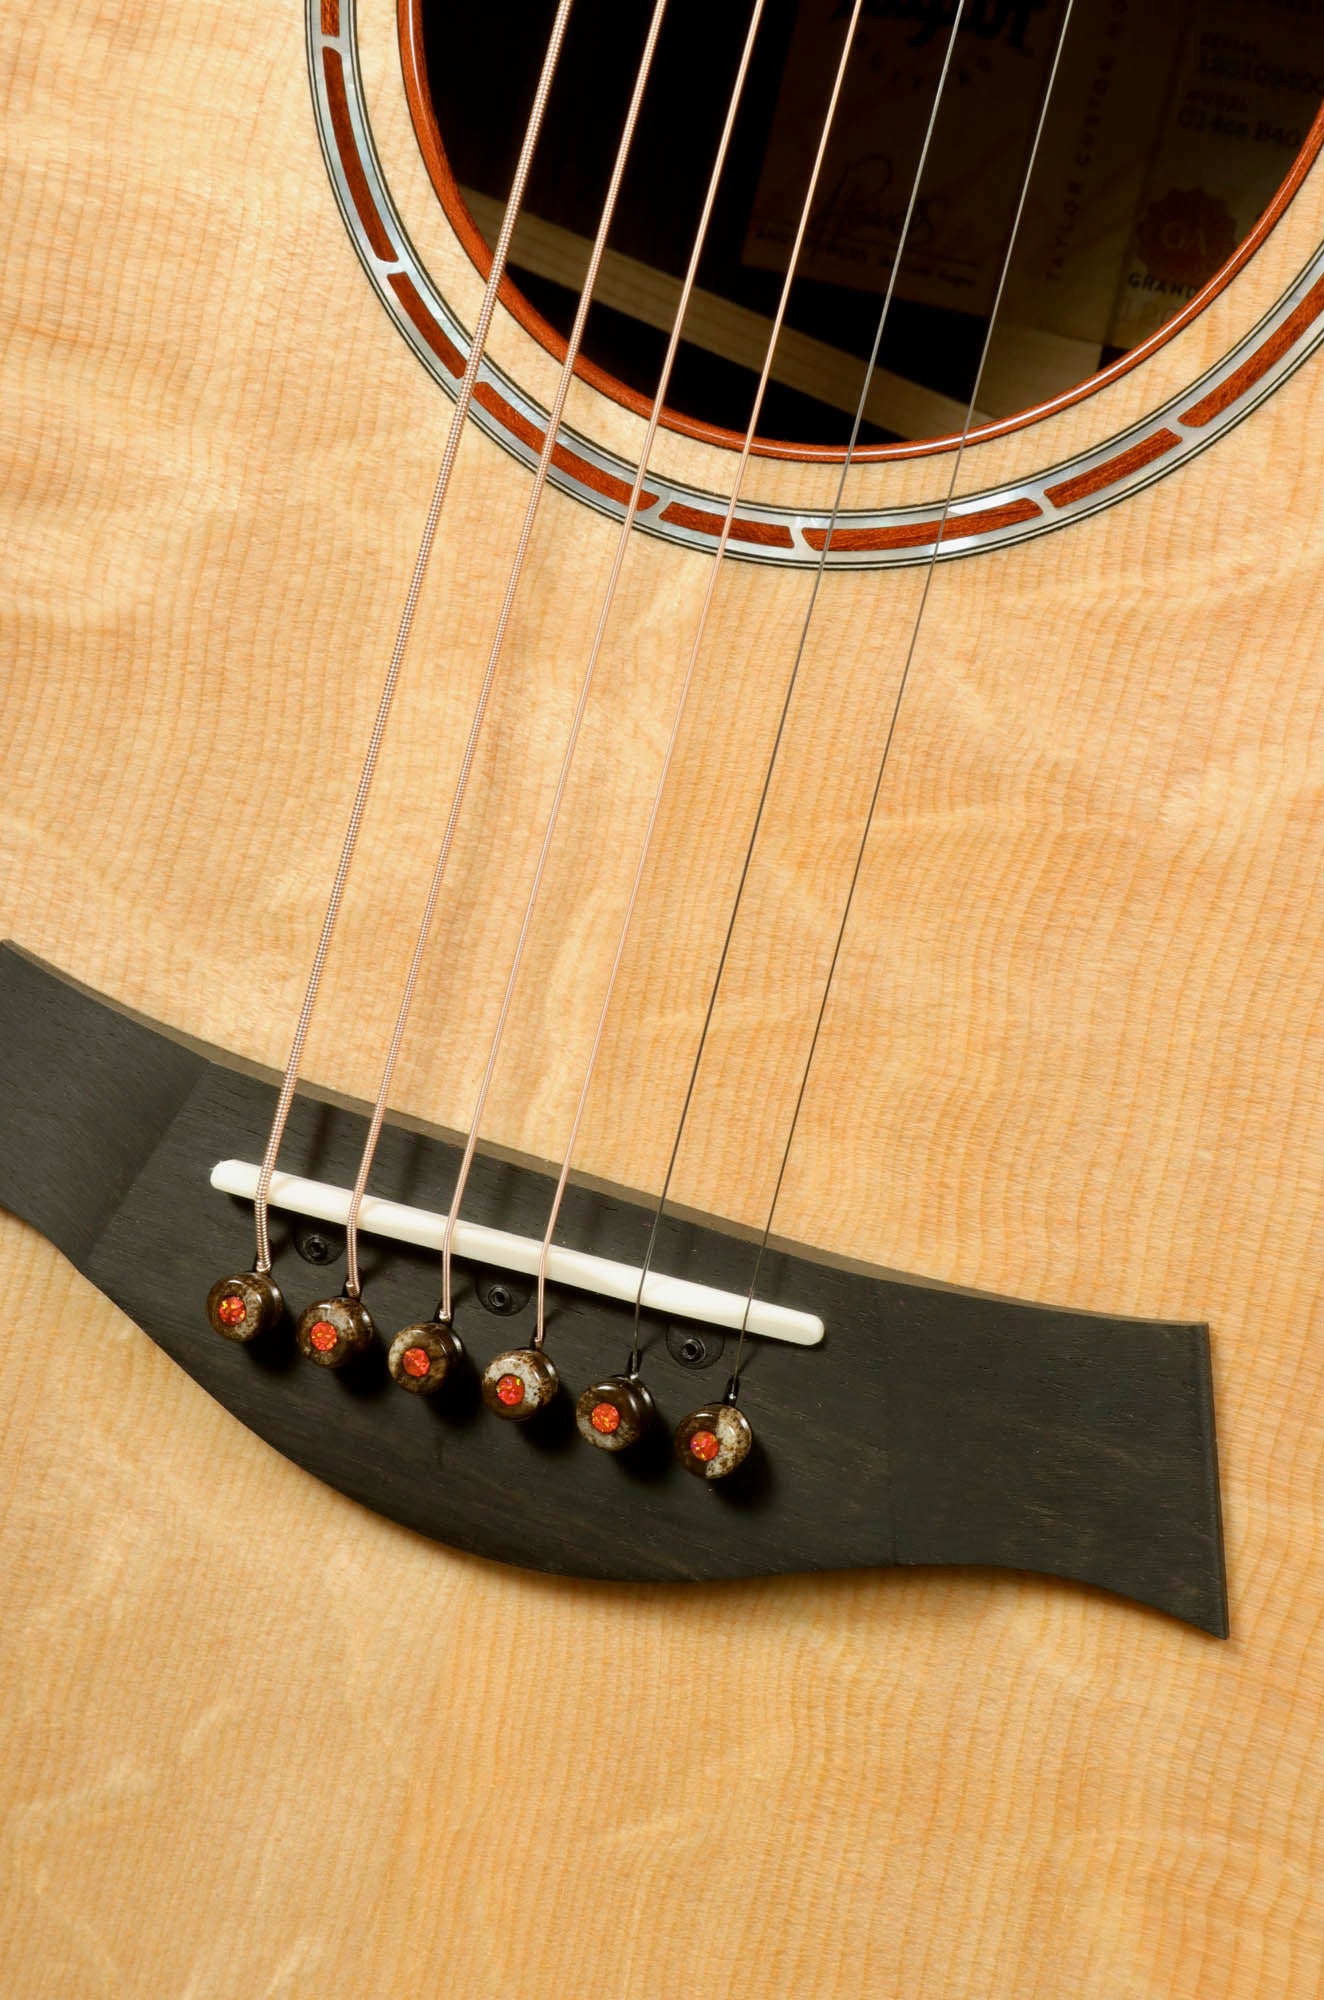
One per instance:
(713, 1441)
(332, 1331)
(615, 1413)
(421, 1357)
(242, 1307)
(519, 1383)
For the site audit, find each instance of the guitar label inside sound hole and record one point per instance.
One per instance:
(1168, 132)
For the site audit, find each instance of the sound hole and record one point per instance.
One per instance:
(1169, 130)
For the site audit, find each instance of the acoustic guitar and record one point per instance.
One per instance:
(661, 1248)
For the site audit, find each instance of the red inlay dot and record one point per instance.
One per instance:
(416, 1361)
(605, 1417)
(704, 1445)
(231, 1310)
(510, 1391)
(322, 1335)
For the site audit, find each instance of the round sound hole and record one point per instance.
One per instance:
(1169, 131)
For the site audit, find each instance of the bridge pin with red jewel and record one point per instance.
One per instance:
(332, 1331)
(242, 1307)
(713, 1441)
(519, 1383)
(615, 1414)
(421, 1357)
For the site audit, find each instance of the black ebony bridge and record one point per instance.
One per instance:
(931, 1426)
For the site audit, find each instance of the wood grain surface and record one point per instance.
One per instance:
(256, 1741)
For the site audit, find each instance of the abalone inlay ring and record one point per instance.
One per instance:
(1065, 491)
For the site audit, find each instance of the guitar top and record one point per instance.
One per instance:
(877, 927)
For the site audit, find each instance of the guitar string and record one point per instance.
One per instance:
(870, 365)
(734, 1384)
(555, 414)
(723, 538)
(454, 436)
(659, 1209)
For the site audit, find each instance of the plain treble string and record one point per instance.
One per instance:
(454, 435)
(1008, 254)
(565, 380)
(820, 568)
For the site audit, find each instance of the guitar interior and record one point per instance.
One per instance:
(1169, 127)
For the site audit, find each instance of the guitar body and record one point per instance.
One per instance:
(260, 1741)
